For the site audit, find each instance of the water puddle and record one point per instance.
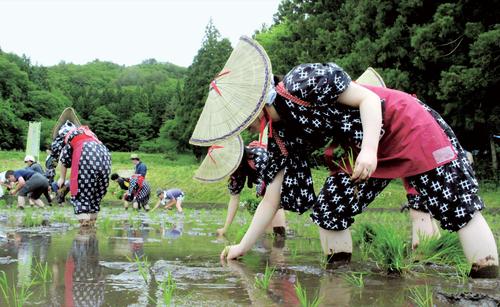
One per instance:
(131, 259)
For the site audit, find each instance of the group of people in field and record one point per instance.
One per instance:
(76, 147)
(384, 133)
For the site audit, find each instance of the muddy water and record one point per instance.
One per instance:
(96, 268)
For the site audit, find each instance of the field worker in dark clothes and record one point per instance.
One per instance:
(140, 167)
(32, 164)
(392, 134)
(243, 165)
(76, 147)
(29, 184)
(138, 192)
(35, 166)
(124, 184)
(168, 198)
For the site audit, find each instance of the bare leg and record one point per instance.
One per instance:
(178, 204)
(480, 247)
(422, 226)
(20, 202)
(337, 245)
(279, 224)
(38, 202)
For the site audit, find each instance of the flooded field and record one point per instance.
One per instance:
(151, 259)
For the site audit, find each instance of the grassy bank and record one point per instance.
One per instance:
(177, 171)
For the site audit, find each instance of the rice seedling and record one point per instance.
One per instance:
(303, 299)
(389, 250)
(263, 281)
(105, 224)
(421, 296)
(42, 274)
(143, 266)
(58, 217)
(355, 278)
(11, 295)
(462, 270)
(32, 220)
(445, 250)
(168, 288)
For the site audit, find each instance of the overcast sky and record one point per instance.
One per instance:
(124, 32)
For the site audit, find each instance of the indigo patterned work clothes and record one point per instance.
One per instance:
(253, 163)
(140, 191)
(306, 127)
(90, 163)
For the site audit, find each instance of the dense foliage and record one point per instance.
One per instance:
(125, 106)
(446, 52)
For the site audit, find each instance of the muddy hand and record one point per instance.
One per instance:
(231, 252)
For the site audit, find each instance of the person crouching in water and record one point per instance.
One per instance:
(138, 192)
(124, 184)
(170, 197)
(29, 184)
(78, 148)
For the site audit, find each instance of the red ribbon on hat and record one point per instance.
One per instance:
(213, 84)
(210, 149)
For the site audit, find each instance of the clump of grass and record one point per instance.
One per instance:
(168, 288)
(389, 250)
(355, 278)
(105, 224)
(421, 296)
(445, 250)
(263, 281)
(59, 217)
(32, 220)
(463, 270)
(12, 296)
(303, 299)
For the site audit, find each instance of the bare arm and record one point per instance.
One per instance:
(20, 184)
(263, 216)
(62, 178)
(157, 205)
(371, 118)
(170, 203)
(232, 208)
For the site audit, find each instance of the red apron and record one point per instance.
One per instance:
(412, 142)
(77, 145)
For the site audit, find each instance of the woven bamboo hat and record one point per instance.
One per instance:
(67, 115)
(371, 77)
(222, 160)
(236, 95)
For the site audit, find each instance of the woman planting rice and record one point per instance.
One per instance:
(392, 133)
(78, 148)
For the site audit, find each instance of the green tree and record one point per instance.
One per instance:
(109, 129)
(209, 60)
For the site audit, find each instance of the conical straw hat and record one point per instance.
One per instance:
(236, 95)
(68, 114)
(222, 159)
(371, 77)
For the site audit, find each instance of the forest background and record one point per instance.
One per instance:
(445, 52)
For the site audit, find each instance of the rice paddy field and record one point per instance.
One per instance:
(162, 258)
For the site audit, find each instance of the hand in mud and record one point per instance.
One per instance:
(365, 165)
(60, 182)
(231, 252)
(220, 232)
